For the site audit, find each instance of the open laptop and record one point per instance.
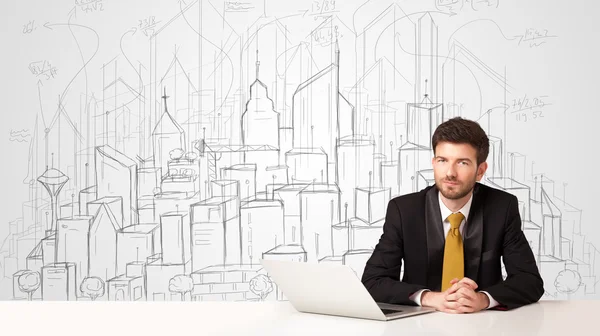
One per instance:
(332, 289)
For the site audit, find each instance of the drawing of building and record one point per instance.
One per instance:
(293, 157)
(260, 122)
(53, 180)
(135, 243)
(261, 224)
(59, 282)
(245, 176)
(128, 286)
(167, 136)
(355, 158)
(72, 245)
(116, 175)
(175, 238)
(225, 282)
(216, 231)
(317, 105)
(103, 244)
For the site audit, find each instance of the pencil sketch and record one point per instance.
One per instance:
(174, 151)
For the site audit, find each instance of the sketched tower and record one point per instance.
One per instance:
(316, 106)
(167, 136)
(53, 180)
(260, 121)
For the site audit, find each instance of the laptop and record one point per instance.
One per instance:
(332, 289)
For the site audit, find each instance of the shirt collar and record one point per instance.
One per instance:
(446, 212)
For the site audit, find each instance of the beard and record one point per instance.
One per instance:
(455, 192)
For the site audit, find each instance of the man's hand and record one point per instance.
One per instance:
(459, 298)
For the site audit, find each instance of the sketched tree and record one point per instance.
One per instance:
(93, 287)
(567, 281)
(191, 156)
(176, 154)
(181, 284)
(29, 282)
(261, 286)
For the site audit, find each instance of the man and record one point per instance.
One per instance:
(452, 235)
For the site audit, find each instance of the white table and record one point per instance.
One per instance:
(279, 318)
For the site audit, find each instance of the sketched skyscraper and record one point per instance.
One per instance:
(426, 113)
(260, 121)
(53, 180)
(316, 106)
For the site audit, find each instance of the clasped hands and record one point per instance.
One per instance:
(459, 298)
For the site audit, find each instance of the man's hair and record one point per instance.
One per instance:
(459, 131)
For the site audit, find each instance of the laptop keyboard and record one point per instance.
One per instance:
(390, 311)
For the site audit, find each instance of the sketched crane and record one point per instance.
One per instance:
(215, 151)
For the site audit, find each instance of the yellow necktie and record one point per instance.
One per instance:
(453, 252)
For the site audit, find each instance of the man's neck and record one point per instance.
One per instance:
(457, 204)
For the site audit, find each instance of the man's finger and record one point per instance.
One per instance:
(466, 302)
(469, 282)
(453, 305)
(460, 293)
(466, 309)
(455, 286)
(467, 292)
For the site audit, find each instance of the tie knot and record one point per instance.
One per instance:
(455, 219)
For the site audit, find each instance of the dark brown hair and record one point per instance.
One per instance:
(458, 130)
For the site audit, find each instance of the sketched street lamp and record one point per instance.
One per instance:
(53, 180)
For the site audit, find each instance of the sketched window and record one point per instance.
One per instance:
(137, 293)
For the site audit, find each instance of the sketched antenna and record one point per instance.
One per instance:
(257, 64)
(53, 180)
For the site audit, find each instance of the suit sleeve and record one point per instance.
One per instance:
(381, 276)
(523, 284)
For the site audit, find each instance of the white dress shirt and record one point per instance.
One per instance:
(416, 297)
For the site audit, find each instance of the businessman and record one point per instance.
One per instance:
(451, 236)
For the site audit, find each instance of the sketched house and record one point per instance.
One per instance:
(129, 286)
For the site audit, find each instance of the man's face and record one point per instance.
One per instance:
(455, 169)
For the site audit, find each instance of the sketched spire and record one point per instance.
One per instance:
(164, 97)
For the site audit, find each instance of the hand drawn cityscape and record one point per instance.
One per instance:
(220, 140)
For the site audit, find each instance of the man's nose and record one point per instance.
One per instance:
(451, 171)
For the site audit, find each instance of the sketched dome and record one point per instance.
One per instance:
(53, 176)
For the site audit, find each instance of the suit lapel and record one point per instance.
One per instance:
(435, 239)
(473, 236)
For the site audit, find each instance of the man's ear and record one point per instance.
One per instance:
(481, 169)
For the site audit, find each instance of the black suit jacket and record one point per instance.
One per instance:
(413, 233)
